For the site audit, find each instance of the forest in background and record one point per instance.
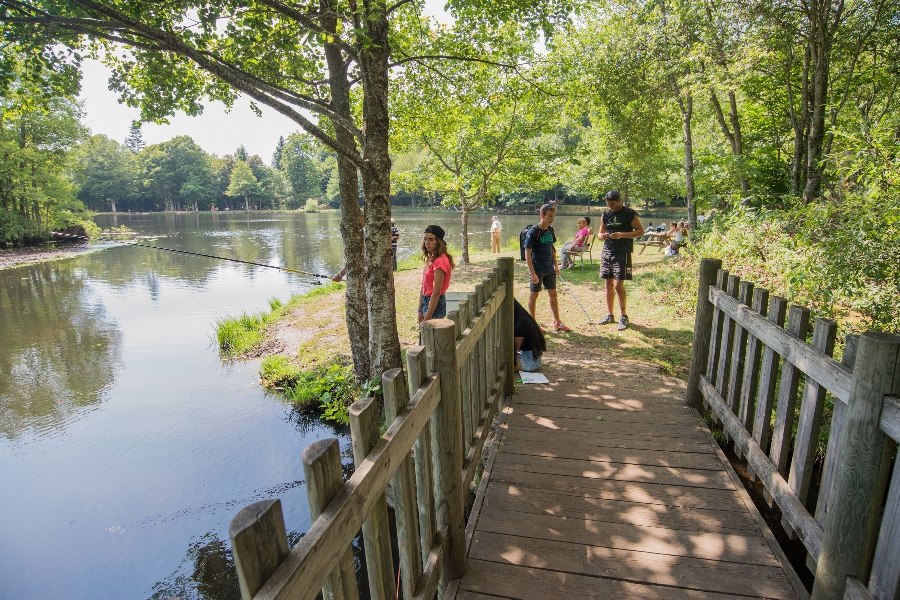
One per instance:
(780, 117)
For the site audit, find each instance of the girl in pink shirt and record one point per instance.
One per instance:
(436, 277)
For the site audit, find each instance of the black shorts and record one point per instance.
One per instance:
(547, 278)
(615, 266)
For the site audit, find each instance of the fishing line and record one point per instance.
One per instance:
(590, 320)
(246, 262)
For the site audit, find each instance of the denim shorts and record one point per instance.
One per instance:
(547, 278)
(528, 361)
(440, 310)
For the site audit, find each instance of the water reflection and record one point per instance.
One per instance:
(59, 349)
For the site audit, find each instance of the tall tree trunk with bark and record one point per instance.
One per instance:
(822, 25)
(464, 259)
(686, 106)
(733, 134)
(384, 341)
(355, 302)
(799, 120)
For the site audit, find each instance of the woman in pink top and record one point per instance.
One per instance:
(576, 244)
(438, 266)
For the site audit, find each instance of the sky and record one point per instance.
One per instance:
(216, 131)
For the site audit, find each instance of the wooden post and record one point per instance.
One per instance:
(751, 371)
(851, 344)
(403, 488)
(856, 499)
(324, 480)
(376, 532)
(702, 328)
(762, 428)
(259, 544)
(738, 357)
(812, 403)
(466, 314)
(416, 370)
(507, 345)
(447, 443)
(798, 326)
(715, 336)
(728, 327)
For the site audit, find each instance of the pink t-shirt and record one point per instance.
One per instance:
(583, 234)
(442, 263)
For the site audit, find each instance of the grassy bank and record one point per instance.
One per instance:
(306, 353)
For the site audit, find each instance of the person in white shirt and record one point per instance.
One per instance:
(496, 228)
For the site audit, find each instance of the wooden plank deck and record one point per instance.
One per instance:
(605, 494)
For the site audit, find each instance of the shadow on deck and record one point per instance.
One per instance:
(605, 484)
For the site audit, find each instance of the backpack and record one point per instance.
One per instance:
(522, 235)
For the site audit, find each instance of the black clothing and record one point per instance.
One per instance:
(541, 243)
(520, 329)
(619, 222)
(615, 265)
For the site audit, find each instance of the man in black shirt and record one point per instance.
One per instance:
(619, 228)
(540, 255)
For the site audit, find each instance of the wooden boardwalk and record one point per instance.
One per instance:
(615, 492)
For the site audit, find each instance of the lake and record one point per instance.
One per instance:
(126, 444)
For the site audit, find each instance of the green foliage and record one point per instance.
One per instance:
(311, 206)
(838, 257)
(329, 387)
(243, 183)
(38, 127)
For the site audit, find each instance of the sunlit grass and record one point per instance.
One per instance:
(239, 335)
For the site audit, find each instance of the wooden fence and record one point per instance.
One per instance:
(429, 455)
(745, 365)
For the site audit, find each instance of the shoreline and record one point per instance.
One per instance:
(31, 255)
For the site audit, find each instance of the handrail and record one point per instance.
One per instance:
(740, 357)
(311, 561)
(818, 365)
(429, 454)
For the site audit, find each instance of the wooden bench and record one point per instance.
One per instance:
(660, 243)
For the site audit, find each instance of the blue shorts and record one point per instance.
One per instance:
(528, 361)
(547, 278)
(440, 311)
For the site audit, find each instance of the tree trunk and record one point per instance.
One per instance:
(464, 259)
(733, 135)
(384, 342)
(112, 204)
(686, 105)
(820, 50)
(800, 123)
(355, 303)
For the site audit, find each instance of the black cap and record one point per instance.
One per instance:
(435, 230)
(612, 195)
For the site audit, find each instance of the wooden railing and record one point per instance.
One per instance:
(429, 455)
(745, 365)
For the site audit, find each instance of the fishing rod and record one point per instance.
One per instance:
(246, 262)
(590, 320)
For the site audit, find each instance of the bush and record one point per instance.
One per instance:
(840, 258)
(330, 387)
(311, 206)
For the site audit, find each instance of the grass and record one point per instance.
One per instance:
(236, 336)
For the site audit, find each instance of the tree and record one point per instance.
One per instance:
(243, 183)
(293, 58)
(106, 171)
(477, 124)
(279, 150)
(300, 169)
(39, 124)
(168, 166)
(135, 140)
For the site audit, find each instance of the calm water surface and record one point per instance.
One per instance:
(126, 444)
